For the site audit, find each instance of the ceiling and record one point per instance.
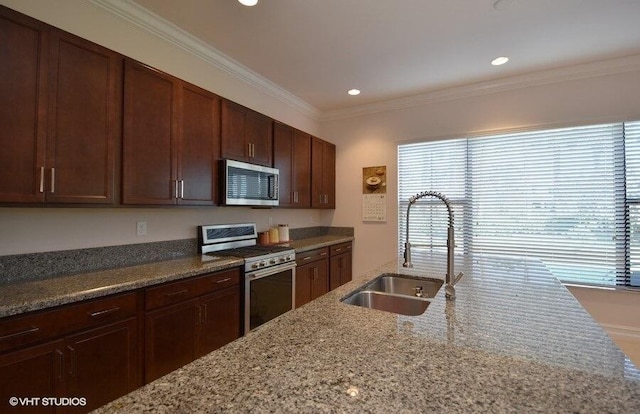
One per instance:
(389, 49)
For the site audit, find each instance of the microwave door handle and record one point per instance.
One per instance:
(273, 187)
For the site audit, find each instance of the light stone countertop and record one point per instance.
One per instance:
(21, 297)
(514, 340)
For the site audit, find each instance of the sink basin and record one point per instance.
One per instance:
(405, 285)
(405, 305)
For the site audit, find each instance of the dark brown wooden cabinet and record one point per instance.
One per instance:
(88, 350)
(188, 319)
(312, 275)
(292, 156)
(198, 146)
(246, 135)
(23, 116)
(149, 136)
(103, 363)
(34, 371)
(61, 117)
(340, 265)
(84, 116)
(323, 174)
(171, 140)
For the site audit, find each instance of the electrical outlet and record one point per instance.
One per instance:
(141, 228)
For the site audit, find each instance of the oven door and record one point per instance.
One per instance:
(268, 294)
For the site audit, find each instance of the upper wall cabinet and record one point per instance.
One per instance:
(60, 115)
(292, 156)
(171, 139)
(323, 174)
(246, 135)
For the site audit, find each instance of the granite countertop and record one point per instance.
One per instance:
(514, 340)
(21, 297)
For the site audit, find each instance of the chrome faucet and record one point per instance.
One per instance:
(450, 280)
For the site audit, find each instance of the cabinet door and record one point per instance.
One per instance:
(23, 86)
(83, 121)
(303, 284)
(170, 334)
(199, 146)
(33, 372)
(149, 150)
(319, 279)
(283, 160)
(233, 142)
(311, 281)
(103, 363)
(301, 171)
(329, 175)
(259, 133)
(219, 320)
(340, 272)
(323, 174)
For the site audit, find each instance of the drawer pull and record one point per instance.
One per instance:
(338, 250)
(323, 254)
(104, 312)
(33, 329)
(178, 293)
(306, 258)
(226, 279)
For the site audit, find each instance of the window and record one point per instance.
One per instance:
(569, 198)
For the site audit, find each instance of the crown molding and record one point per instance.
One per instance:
(582, 71)
(167, 31)
(156, 25)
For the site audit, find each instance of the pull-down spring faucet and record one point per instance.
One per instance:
(450, 280)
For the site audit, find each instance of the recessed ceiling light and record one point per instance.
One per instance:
(499, 61)
(354, 92)
(248, 2)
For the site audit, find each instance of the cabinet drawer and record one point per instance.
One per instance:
(175, 292)
(52, 323)
(340, 248)
(222, 280)
(311, 256)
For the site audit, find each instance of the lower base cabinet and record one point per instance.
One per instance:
(188, 319)
(81, 356)
(340, 265)
(83, 369)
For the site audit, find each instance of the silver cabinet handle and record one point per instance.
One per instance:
(181, 188)
(104, 312)
(42, 179)
(33, 329)
(175, 189)
(53, 180)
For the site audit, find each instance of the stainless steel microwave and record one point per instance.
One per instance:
(246, 184)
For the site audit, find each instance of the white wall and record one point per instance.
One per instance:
(617, 312)
(370, 140)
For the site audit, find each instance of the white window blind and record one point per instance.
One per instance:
(632, 153)
(557, 196)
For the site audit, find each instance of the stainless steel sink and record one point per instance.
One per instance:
(405, 285)
(397, 293)
(405, 305)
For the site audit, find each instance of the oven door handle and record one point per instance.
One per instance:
(269, 271)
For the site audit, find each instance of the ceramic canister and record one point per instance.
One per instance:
(283, 232)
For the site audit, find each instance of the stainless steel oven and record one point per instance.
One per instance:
(269, 271)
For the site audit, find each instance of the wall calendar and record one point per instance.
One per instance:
(374, 194)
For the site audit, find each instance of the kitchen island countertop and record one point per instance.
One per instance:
(514, 340)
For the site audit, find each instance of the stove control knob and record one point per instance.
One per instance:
(272, 261)
(283, 259)
(262, 264)
(255, 266)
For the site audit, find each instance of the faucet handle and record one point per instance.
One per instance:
(457, 278)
